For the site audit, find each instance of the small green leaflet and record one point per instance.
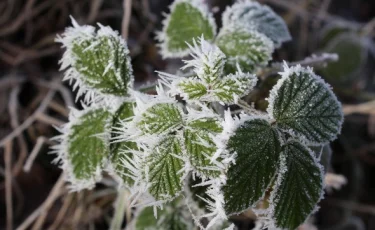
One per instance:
(248, 48)
(161, 118)
(299, 186)
(234, 86)
(227, 90)
(257, 146)
(86, 149)
(164, 167)
(199, 145)
(304, 105)
(103, 64)
(254, 16)
(188, 19)
(120, 150)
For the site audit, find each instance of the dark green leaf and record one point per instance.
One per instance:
(305, 105)
(299, 186)
(257, 146)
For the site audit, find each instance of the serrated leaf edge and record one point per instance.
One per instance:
(84, 33)
(61, 150)
(287, 72)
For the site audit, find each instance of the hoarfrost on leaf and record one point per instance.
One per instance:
(298, 188)
(210, 84)
(304, 105)
(97, 63)
(254, 16)
(257, 146)
(188, 19)
(164, 165)
(161, 118)
(248, 48)
(84, 146)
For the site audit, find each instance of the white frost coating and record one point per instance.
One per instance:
(206, 58)
(62, 151)
(209, 85)
(162, 36)
(77, 35)
(254, 16)
(285, 75)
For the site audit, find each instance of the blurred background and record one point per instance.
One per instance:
(33, 100)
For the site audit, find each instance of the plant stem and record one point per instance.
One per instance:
(120, 205)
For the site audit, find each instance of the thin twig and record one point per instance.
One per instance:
(243, 104)
(127, 4)
(54, 194)
(364, 108)
(8, 183)
(67, 201)
(34, 153)
(314, 60)
(12, 107)
(49, 120)
(30, 119)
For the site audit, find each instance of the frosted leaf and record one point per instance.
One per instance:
(304, 105)
(234, 86)
(84, 147)
(161, 118)
(200, 147)
(257, 146)
(188, 19)
(193, 89)
(254, 16)
(164, 169)
(208, 60)
(248, 48)
(299, 186)
(96, 63)
(121, 150)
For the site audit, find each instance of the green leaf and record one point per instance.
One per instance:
(192, 89)
(187, 20)
(164, 166)
(234, 86)
(199, 145)
(161, 118)
(103, 63)
(120, 151)
(146, 220)
(254, 16)
(257, 146)
(353, 54)
(247, 48)
(304, 105)
(171, 217)
(299, 186)
(86, 149)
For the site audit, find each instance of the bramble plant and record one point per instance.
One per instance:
(189, 148)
